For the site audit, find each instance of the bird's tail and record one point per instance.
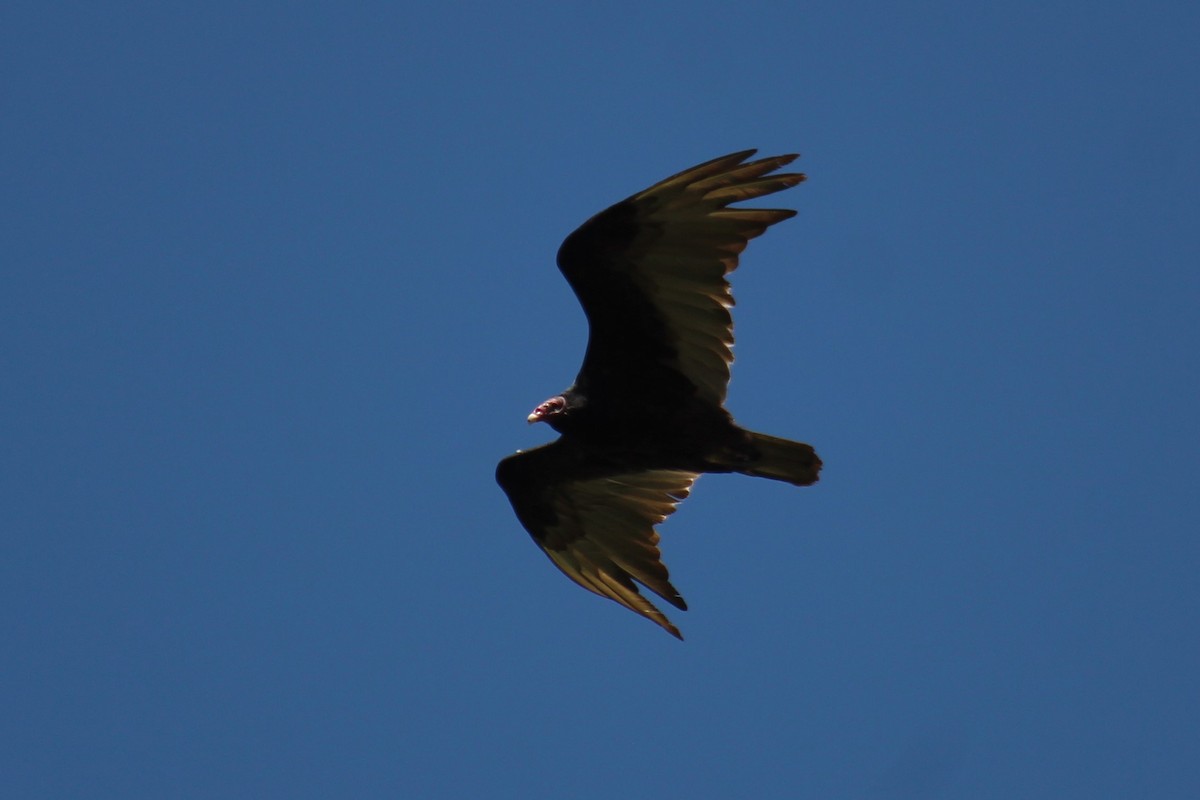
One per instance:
(782, 460)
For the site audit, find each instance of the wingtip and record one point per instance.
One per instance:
(744, 156)
(781, 160)
(667, 626)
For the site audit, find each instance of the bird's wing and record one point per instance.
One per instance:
(596, 521)
(650, 275)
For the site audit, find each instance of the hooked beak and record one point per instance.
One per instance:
(534, 417)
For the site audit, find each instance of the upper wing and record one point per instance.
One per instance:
(650, 275)
(596, 521)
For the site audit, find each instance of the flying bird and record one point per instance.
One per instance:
(645, 415)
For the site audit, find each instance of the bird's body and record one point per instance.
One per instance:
(646, 414)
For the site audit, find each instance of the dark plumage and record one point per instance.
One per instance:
(645, 416)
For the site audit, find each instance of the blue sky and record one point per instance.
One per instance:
(278, 291)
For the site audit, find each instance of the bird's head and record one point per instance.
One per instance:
(548, 410)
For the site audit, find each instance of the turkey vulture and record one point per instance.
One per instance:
(645, 416)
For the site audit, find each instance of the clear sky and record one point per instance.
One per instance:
(277, 292)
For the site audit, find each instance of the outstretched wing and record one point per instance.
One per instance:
(650, 275)
(596, 521)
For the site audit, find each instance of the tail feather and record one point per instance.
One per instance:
(783, 460)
